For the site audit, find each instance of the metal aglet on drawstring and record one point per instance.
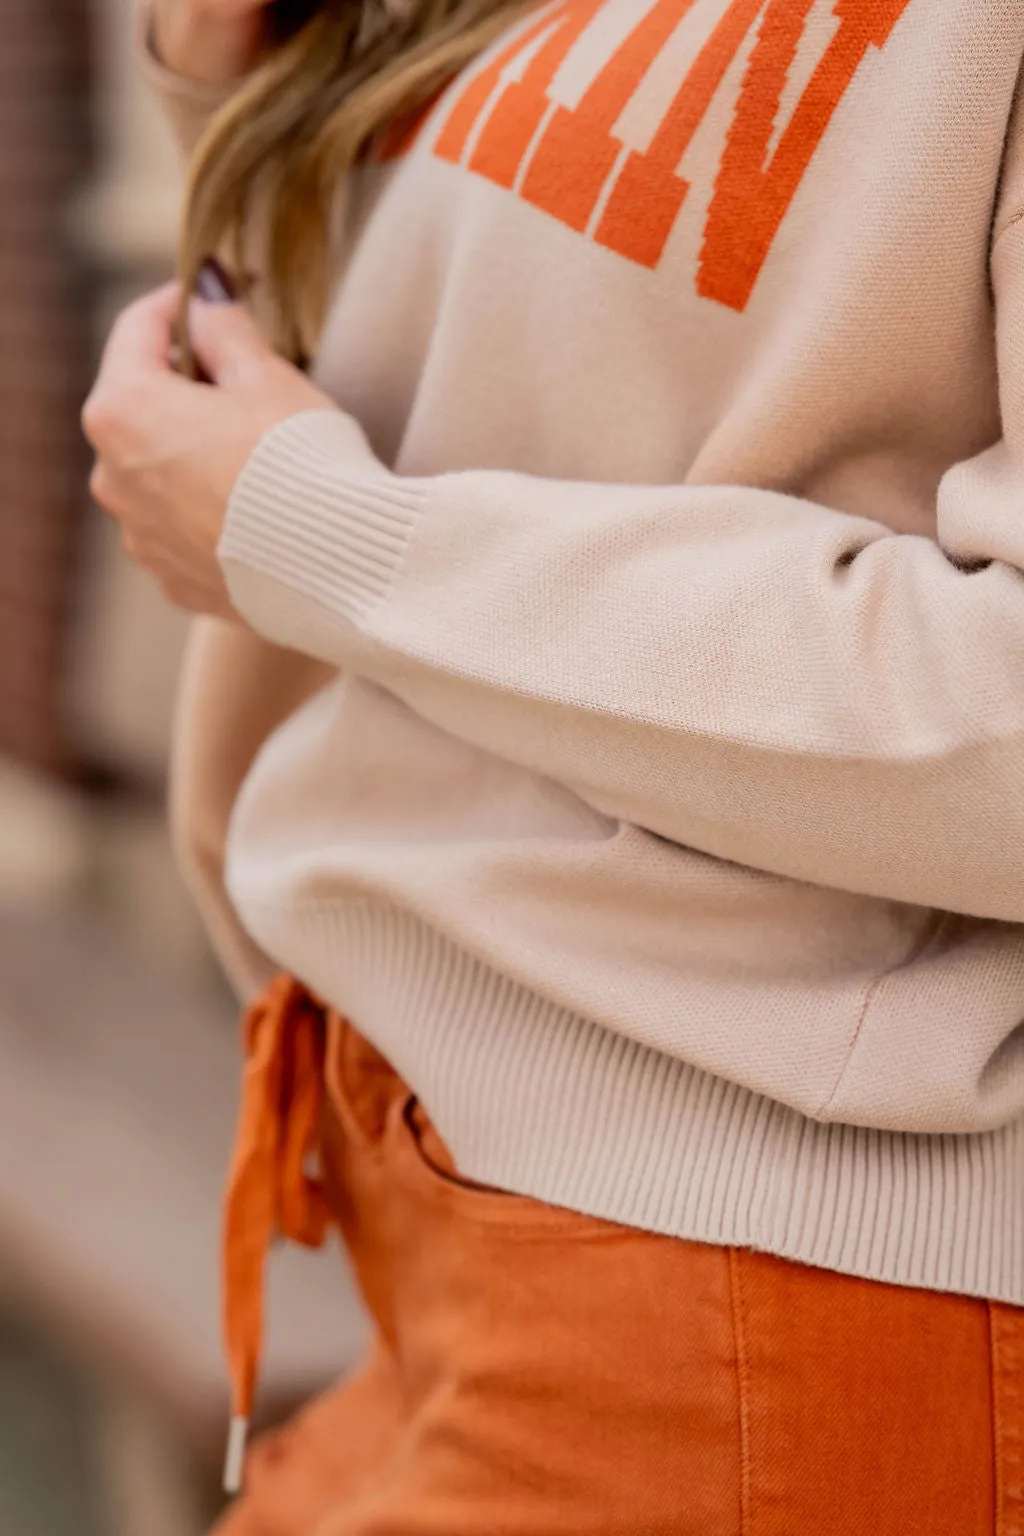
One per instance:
(271, 1190)
(234, 1459)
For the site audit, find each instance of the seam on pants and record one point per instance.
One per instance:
(1006, 1325)
(743, 1390)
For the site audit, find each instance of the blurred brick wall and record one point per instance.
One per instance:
(44, 365)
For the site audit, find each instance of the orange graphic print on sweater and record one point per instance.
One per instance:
(505, 125)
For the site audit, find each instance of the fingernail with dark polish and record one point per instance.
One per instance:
(213, 284)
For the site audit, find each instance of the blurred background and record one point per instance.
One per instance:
(118, 1053)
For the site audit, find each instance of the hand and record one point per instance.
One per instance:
(168, 451)
(210, 41)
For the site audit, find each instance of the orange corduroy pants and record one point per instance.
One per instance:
(536, 1372)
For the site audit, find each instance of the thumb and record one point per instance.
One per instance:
(226, 340)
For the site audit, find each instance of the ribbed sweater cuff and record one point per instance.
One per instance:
(315, 532)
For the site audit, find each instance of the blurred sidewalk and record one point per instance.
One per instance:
(119, 1067)
(118, 1040)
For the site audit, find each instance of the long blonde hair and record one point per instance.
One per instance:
(342, 71)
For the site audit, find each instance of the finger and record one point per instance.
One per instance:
(226, 340)
(143, 334)
(102, 488)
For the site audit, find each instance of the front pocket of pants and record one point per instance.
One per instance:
(483, 1202)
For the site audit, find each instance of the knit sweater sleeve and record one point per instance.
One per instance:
(747, 673)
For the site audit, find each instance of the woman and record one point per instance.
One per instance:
(608, 718)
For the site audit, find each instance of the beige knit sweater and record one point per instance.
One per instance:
(656, 798)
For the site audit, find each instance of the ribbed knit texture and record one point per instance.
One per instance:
(630, 732)
(341, 543)
(538, 1099)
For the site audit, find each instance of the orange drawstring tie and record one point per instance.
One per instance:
(270, 1190)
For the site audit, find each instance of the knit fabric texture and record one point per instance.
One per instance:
(631, 736)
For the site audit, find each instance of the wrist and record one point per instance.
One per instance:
(197, 42)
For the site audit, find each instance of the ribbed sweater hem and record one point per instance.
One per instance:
(538, 1101)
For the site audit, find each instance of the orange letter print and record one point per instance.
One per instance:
(569, 167)
(648, 194)
(577, 152)
(519, 109)
(516, 115)
(752, 196)
(455, 134)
